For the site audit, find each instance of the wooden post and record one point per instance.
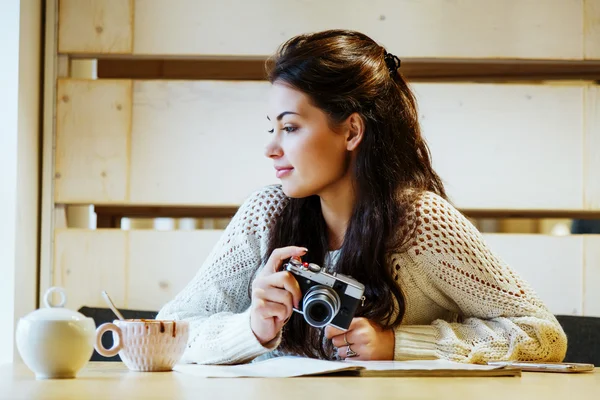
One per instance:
(47, 206)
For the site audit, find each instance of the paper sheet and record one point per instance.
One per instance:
(423, 365)
(278, 367)
(285, 367)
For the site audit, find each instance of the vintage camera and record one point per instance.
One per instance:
(327, 299)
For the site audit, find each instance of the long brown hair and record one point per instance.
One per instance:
(344, 72)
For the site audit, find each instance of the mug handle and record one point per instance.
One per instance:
(117, 346)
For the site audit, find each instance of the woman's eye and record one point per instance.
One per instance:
(288, 129)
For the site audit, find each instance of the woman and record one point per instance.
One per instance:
(358, 195)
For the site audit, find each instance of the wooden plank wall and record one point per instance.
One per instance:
(145, 268)
(133, 130)
(522, 29)
(507, 95)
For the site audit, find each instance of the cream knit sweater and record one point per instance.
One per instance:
(463, 303)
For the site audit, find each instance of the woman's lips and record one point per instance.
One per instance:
(281, 172)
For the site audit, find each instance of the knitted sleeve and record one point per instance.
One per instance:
(501, 318)
(216, 302)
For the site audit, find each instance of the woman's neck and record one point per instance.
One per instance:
(337, 204)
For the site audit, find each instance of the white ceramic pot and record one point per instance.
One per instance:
(55, 342)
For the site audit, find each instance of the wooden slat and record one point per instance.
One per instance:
(113, 213)
(92, 140)
(530, 213)
(150, 211)
(51, 70)
(201, 143)
(63, 66)
(89, 261)
(139, 269)
(551, 265)
(198, 142)
(193, 69)
(411, 28)
(591, 283)
(423, 28)
(95, 26)
(414, 69)
(591, 156)
(506, 146)
(162, 263)
(591, 24)
(144, 269)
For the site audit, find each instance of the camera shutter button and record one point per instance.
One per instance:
(314, 267)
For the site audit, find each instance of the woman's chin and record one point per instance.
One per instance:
(289, 191)
(293, 191)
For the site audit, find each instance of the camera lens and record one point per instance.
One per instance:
(318, 311)
(320, 305)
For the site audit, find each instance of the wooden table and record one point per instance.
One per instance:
(109, 380)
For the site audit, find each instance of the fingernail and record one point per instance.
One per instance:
(305, 249)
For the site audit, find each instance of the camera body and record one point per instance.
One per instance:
(327, 299)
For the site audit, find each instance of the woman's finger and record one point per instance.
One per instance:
(340, 340)
(343, 352)
(280, 254)
(284, 280)
(269, 309)
(280, 296)
(357, 323)
(331, 331)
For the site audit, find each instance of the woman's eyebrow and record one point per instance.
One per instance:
(283, 114)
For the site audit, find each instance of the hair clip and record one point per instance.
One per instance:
(392, 62)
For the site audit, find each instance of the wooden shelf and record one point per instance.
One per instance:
(157, 211)
(115, 212)
(414, 69)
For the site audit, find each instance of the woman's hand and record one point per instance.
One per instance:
(274, 294)
(366, 338)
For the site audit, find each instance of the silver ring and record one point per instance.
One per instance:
(350, 353)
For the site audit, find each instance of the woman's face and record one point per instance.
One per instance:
(307, 155)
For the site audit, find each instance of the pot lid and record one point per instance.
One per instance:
(54, 312)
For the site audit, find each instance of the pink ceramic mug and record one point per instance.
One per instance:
(145, 344)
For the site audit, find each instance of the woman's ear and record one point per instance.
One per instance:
(355, 131)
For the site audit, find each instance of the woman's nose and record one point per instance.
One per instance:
(273, 149)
